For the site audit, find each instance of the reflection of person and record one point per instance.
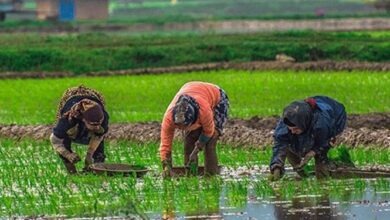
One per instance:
(82, 119)
(201, 110)
(319, 208)
(306, 130)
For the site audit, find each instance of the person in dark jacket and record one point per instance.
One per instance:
(81, 118)
(306, 130)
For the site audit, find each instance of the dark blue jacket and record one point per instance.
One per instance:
(329, 120)
(75, 129)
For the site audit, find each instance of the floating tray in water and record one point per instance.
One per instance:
(118, 168)
(182, 170)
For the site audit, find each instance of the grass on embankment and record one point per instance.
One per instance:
(145, 98)
(81, 53)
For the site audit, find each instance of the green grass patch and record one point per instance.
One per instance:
(146, 97)
(82, 53)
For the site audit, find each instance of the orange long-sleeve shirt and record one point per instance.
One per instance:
(207, 95)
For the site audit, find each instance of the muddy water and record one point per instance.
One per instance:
(241, 201)
(368, 206)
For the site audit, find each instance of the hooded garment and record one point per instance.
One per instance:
(320, 119)
(299, 114)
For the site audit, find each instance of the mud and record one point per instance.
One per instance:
(325, 65)
(362, 130)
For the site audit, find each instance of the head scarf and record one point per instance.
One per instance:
(298, 114)
(185, 111)
(86, 109)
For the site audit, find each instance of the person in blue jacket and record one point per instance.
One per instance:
(306, 130)
(81, 118)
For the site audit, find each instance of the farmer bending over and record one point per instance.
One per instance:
(81, 118)
(307, 129)
(200, 110)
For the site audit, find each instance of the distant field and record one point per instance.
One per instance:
(145, 98)
(161, 11)
(158, 12)
(188, 10)
(81, 53)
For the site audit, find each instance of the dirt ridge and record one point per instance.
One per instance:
(364, 130)
(324, 65)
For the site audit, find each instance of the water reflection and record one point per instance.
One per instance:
(198, 201)
(238, 199)
(319, 208)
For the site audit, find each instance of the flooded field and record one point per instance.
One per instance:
(252, 197)
(34, 184)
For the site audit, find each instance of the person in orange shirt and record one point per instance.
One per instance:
(201, 110)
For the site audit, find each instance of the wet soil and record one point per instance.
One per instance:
(367, 129)
(325, 65)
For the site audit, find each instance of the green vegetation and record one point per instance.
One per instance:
(81, 53)
(163, 11)
(145, 98)
(43, 187)
(34, 183)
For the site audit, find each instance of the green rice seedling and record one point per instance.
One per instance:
(262, 189)
(261, 93)
(46, 189)
(341, 155)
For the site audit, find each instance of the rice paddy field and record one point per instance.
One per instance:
(193, 10)
(34, 183)
(145, 97)
(93, 52)
(161, 11)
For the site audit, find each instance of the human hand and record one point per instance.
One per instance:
(275, 175)
(306, 159)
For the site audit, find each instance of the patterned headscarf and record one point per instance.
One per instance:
(86, 109)
(185, 111)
